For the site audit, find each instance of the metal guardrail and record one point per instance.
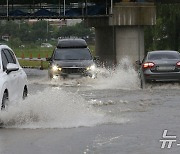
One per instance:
(51, 17)
(34, 59)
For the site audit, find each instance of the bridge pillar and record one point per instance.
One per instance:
(114, 43)
(104, 44)
(129, 43)
(122, 33)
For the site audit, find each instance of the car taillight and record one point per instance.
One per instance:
(178, 64)
(148, 65)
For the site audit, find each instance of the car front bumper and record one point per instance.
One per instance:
(72, 73)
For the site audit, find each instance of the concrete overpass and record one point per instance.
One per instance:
(119, 24)
(58, 9)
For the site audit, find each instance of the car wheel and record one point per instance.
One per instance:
(25, 92)
(4, 100)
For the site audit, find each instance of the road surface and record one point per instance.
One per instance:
(107, 115)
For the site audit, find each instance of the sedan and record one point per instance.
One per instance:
(160, 66)
(13, 79)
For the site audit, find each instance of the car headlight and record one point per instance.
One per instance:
(91, 68)
(56, 68)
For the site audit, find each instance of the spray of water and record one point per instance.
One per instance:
(123, 77)
(57, 108)
(52, 108)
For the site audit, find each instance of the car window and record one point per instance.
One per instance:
(163, 55)
(10, 56)
(13, 56)
(4, 60)
(72, 54)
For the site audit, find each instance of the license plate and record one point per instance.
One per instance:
(165, 68)
(74, 76)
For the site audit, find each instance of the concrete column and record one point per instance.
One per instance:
(129, 42)
(121, 34)
(104, 45)
(114, 43)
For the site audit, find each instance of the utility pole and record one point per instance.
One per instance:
(111, 7)
(64, 7)
(47, 29)
(7, 8)
(59, 8)
(106, 8)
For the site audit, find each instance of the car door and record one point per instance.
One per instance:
(12, 77)
(22, 78)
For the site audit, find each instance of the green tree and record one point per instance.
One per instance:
(78, 30)
(25, 32)
(166, 33)
(39, 31)
(10, 28)
(15, 42)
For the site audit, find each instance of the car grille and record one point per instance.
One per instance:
(73, 70)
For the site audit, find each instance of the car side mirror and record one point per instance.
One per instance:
(96, 58)
(11, 67)
(138, 62)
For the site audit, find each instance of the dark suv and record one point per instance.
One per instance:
(71, 58)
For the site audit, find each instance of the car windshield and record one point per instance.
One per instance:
(164, 55)
(72, 54)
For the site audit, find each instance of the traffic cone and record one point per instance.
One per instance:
(39, 57)
(22, 56)
(30, 56)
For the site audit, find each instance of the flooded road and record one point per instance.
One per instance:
(107, 115)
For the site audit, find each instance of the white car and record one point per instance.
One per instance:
(13, 79)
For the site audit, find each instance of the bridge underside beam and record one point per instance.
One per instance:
(51, 17)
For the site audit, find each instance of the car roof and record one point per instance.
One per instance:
(72, 43)
(4, 46)
(162, 51)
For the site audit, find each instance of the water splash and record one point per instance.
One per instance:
(52, 108)
(123, 77)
